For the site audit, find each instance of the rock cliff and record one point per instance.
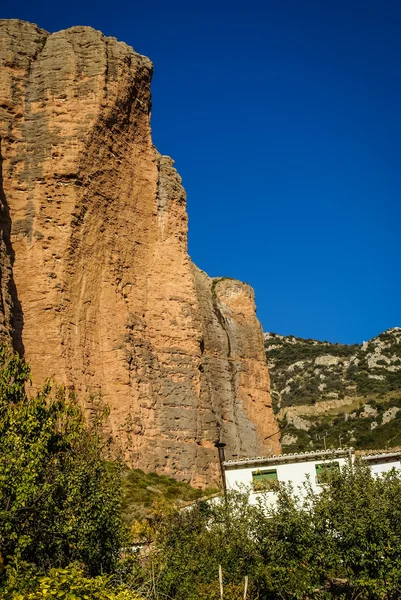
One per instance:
(97, 287)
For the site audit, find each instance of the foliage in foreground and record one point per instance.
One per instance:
(59, 501)
(70, 583)
(345, 542)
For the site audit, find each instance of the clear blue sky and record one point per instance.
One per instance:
(284, 118)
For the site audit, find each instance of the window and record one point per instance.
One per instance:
(324, 470)
(265, 480)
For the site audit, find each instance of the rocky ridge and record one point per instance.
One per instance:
(97, 288)
(336, 393)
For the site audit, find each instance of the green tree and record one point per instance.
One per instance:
(59, 500)
(69, 583)
(342, 542)
(189, 545)
(362, 517)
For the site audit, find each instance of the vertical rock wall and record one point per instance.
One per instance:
(97, 287)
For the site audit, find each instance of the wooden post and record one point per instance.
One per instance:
(221, 582)
(246, 587)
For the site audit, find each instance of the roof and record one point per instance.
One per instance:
(365, 455)
(288, 458)
(381, 456)
(377, 451)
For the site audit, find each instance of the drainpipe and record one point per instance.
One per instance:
(220, 448)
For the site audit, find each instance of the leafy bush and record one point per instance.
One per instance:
(70, 583)
(188, 546)
(59, 500)
(344, 542)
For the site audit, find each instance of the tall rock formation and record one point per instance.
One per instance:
(97, 287)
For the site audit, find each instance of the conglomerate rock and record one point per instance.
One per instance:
(97, 288)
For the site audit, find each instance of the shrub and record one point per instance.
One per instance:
(70, 583)
(351, 532)
(59, 500)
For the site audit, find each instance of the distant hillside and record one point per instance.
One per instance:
(336, 393)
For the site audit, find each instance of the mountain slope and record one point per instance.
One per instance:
(336, 393)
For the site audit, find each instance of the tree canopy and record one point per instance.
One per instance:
(59, 499)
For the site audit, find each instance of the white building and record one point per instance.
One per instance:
(381, 462)
(265, 473)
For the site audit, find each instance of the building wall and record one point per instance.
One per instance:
(295, 473)
(383, 467)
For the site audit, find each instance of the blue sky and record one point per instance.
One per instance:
(284, 120)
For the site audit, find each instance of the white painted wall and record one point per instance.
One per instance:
(383, 467)
(295, 473)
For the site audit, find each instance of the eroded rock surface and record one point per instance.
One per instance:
(97, 287)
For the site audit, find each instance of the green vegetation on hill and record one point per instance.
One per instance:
(287, 350)
(141, 491)
(305, 373)
(359, 429)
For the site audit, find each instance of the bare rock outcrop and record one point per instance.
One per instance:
(97, 287)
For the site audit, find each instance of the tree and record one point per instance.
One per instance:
(344, 542)
(189, 545)
(59, 500)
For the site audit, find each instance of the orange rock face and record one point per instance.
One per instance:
(97, 288)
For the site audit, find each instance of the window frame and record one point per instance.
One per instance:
(324, 468)
(265, 480)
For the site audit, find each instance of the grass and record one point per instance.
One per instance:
(141, 490)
